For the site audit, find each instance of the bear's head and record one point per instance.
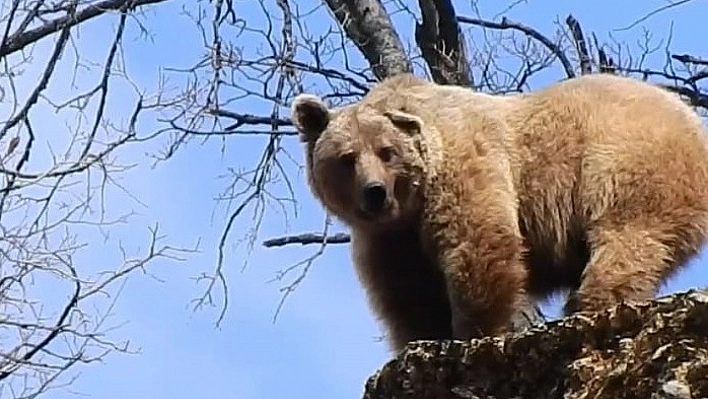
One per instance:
(363, 160)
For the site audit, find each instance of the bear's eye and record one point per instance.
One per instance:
(347, 160)
(387, 153)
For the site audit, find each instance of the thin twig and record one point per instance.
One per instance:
(507, 24)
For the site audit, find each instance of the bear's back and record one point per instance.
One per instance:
(590, 142)
(609, 107)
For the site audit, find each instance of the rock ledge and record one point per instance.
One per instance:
(655, 349)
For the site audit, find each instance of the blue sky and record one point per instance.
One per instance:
(324, 343)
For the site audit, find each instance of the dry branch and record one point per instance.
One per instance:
(248, 119)
(605, 63)
(689, 59)
(695, 98)
(527, 30)
(21, 39)
(369, 27)
(580, 44)
(442, 43)
(308, 238)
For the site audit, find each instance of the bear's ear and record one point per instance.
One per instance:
(310, 116)
(408, 122)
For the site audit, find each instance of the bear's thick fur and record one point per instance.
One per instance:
(463, 205)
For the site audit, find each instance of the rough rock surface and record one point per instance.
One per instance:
(651, 350)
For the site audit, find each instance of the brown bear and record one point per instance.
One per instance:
(462, 205)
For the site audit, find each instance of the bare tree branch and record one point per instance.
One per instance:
(580, 44)
(21, 38)
(368, 25)
(247, 119)
(671, 4)
(507, 24)
(689, 59)
(442, 43)
(605, 63)
(695, 98)
(308, 238)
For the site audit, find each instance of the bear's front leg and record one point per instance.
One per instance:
(472, 218)
(404, 287)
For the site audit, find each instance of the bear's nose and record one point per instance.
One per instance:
(374, 196)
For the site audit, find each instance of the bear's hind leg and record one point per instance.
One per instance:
(629, 261)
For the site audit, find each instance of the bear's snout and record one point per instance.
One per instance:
(374, 197)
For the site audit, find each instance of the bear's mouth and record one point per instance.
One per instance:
(384, 215)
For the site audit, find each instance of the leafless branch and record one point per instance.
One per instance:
(368, 25)
(689, 59)
(605, 63)
(22, 38)
(442, 43)
(507, 24)
(308, 238)
(580, 44)
(695, 98)
(671, 4)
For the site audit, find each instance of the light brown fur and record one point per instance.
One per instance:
(597, 185)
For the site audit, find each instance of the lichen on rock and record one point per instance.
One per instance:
(654, 349)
